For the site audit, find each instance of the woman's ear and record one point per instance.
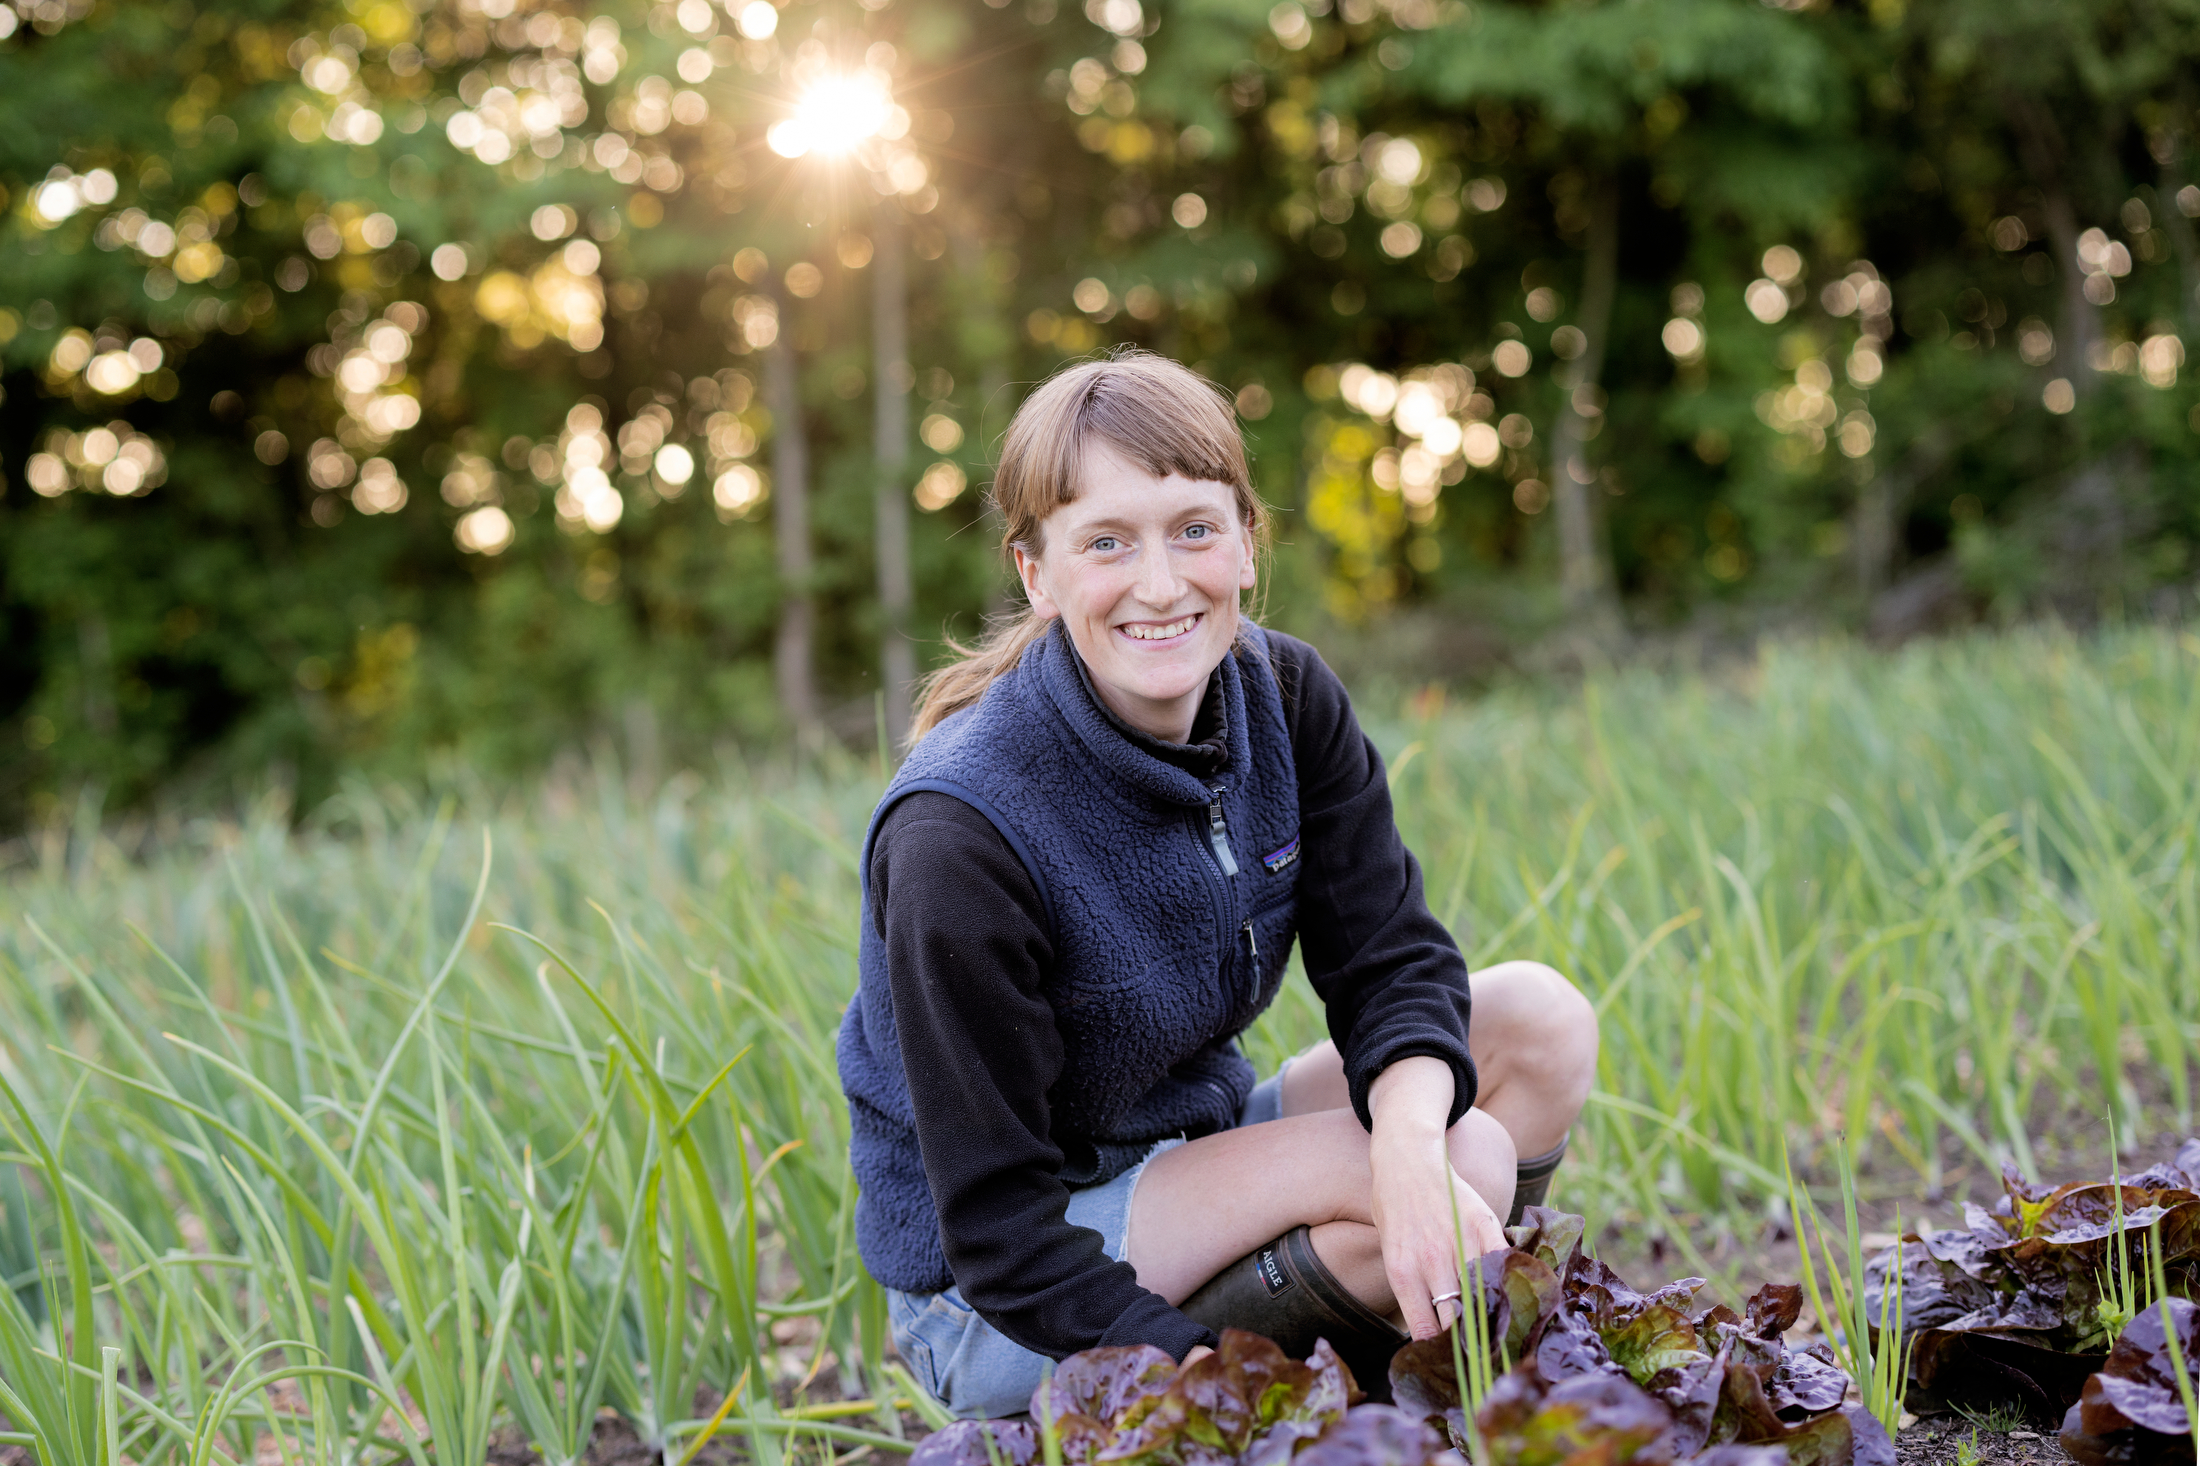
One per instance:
(1249, 574)
(1027, 570)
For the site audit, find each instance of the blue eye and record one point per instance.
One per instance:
(1199, 532)
(1105, 543)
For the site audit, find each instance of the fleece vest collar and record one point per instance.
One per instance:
(1204, 758)
(1171, 921)
(1065, 691)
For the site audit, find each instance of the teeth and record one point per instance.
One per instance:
(1160, 633)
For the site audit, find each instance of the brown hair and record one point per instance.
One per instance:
(1160, 415)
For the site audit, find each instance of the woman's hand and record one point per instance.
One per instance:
(1415, 1188)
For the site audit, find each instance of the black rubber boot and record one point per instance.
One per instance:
(1534, 1183)
(1283, 1292)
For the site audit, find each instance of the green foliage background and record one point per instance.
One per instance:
(1214, 179)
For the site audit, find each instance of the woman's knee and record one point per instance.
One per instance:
(1198, 1207)
(1483, 1154)
(1314, 1080)
(1529, 1017)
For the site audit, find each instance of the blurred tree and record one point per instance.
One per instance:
(396, 379)
(1611, 86)
(890, 443)
(794, 655)
(2020, 124)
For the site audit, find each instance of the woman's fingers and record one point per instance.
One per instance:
(1419, 1252)
(1426, 1215)
(1421, 1255)
(1421, 1259)
(1409, 1284)
(1487, 1234)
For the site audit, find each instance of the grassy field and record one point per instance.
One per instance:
(428, 1128)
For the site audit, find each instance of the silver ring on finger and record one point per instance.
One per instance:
(1444, 1298)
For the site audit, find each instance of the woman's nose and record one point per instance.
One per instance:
(1158, 583)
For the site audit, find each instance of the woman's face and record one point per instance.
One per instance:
(1145, 573)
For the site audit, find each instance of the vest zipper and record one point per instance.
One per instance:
(1218, 844)
(1218, 833)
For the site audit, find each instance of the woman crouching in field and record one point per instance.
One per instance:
(1083, 885)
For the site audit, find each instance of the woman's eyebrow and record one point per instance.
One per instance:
(1098, 523)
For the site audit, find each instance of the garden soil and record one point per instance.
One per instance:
(1936, 1442)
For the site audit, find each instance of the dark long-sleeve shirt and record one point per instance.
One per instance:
(968, 954)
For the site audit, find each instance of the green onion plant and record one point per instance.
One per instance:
(363, 1147)
(1472, 1368)
(2120, 1284)
(1875, 1353)
(2182, 1370)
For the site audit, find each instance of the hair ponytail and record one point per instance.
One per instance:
(1160, 415)
(960, 684)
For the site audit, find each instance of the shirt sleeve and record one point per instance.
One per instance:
(967, 947)
(1390, 976)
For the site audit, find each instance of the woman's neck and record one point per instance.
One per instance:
(1194, 743)
(1171, 722)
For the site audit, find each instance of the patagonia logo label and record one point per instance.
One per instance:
(1281, 858)
(1270, 1268)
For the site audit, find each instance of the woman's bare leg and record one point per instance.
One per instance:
(1534, 1041)
(1204, 1205)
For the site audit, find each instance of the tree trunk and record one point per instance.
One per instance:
(1881, 507)
(1004, 593)
(792, 654)
(2174, 221)
(2040, 145)
(988, 336)
(890, 363)
(95, 652)
(1585, 571)
(2179, 229)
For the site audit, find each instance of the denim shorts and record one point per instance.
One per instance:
(974, 1369)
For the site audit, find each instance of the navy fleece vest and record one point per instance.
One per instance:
(1172, 913)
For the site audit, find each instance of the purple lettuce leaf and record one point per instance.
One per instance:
(1807, 1382)
(1936, 1290)
(1705, 1414)
(1570, 1345)
(2137, 1387)
(1644, 1334)
(2012, 1305)
(1547, 1234)
(1731, 1455)
(1609, 1376)
(1378, 1435)
(963, 1443)
(1774, 1308)
(1869, 1443)
(1691, 1392)
(1524, 1291)
(1424, 1384)
(1520, 1294)
(1658, 1338)
(1112, 1387)
(1589, 1420)
(1224, 1407)
(1846, 1437)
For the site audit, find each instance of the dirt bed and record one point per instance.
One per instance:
(1738, 1256)
(1939, 1440)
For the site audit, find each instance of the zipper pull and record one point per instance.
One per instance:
(1252, 943)
(1218, 834)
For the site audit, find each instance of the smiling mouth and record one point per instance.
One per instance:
(1163, 631)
